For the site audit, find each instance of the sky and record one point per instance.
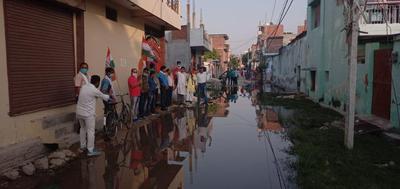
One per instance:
(240, 18)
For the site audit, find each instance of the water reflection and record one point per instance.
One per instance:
(236, 143)
(268, 120)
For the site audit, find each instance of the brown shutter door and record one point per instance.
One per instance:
(40, 55)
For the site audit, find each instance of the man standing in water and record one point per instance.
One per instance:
(202, 80)
(181, 86)
(86, 114)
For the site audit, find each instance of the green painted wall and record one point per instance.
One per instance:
(395, 107)
(314, 56)
(365, 73)
(328, 53)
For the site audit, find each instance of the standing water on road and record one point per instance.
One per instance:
(234, 143)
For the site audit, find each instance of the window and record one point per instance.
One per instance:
(327, 76)
(316, 14)
(361, 54)
(111, 14)
(313, 77)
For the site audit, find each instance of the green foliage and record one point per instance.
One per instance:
(213, 55)
(322, 159)
(234, 62)
(245, 58)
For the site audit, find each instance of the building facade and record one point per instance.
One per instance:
(288, 64)
(219, 43)
(43, 43)
(319, 61)
(189, 53)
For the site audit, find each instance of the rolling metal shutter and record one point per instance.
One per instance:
(40, 55)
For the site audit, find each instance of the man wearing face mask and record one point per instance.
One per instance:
(134, 92)
(108, 89)
(144, 96)
(81, 78)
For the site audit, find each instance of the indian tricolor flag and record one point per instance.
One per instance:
(147, 51)
(109, 60)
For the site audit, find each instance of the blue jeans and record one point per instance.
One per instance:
(143, 104)
(169, 98)
(202, 92)
(151, 103)
(163, 96)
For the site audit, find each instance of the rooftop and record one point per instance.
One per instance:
(219, 35)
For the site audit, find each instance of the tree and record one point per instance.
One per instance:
(246, 58)
(213, 55)
(234, 62)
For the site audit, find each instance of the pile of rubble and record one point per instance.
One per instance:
(52, 161)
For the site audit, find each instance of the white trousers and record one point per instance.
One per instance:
(135, 106)
(189, 96)
(87, 131)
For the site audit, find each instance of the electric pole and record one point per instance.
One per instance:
(352, 36)
(188, 28)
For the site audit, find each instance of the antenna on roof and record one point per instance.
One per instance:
(194, 14)
(201, 18)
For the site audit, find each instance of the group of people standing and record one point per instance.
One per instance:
(146, 89)
(151, 88)
(233, 76)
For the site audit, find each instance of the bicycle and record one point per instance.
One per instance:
(115, 120)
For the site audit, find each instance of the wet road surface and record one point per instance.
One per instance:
(233, 144)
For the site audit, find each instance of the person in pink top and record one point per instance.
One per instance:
(134, 91)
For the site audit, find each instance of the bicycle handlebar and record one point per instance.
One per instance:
(122, 95)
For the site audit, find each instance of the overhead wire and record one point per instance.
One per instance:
(283, 14)
(273, 11)
(267, 138)
(277, 166)
(243, 44)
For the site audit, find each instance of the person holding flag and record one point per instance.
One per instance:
(106, 86)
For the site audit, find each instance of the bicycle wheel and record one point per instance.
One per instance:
(111, 125)
(125, 116)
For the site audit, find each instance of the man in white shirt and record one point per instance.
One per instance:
(202, 80)
(181, 86)
(86, 114)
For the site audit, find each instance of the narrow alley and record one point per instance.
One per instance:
(199, 94)
(235, 143)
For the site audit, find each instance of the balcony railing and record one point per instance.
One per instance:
(173, 4)
(381, 14)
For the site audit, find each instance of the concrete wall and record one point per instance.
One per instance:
(395, 107)
(327, 55)
(123, 38)
(365, 76)
(379, 29)
(285, 66)
(177, 50)
(315, 36)
(161, 10)
(198, 38)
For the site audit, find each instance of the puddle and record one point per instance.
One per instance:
(233, 144)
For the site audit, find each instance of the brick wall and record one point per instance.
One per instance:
(179, 34)
(275, 44)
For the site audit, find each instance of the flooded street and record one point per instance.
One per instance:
(234, 143)
(240, 154)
